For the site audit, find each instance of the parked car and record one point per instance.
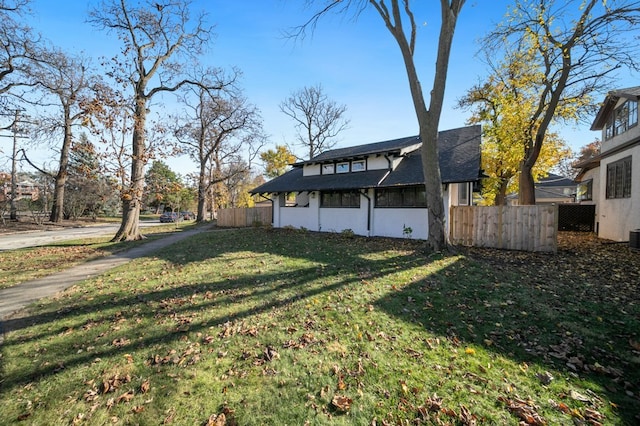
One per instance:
(188, 215)
(169, 217)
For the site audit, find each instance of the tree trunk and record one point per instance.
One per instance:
(429, 119)
(132, 197)
(433, 186)
(501, 195)
(527, 191)
(57, 208)
(202, 193)
(527, 194)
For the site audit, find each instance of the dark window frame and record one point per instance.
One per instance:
(401, 197)
(618, 183)
(588, 191)
(623, 118)
(340, 199)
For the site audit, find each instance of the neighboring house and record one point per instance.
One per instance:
(612, 180)
(26, 188)
(553, 189)
(375, 189)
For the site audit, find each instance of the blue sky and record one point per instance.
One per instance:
(356, 61)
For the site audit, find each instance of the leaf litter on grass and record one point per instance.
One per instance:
(377, 335)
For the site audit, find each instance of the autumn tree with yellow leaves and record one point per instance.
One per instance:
(503, 105)
(576, 46)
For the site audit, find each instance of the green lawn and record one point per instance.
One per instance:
(275, 327)
(17, 266)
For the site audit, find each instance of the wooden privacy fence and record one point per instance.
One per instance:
(528, 228)
(243, 217)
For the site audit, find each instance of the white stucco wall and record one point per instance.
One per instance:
(338, 220)
(311, 170)
(377, 163)
(618, 216)
(390, 222)
(298, 217)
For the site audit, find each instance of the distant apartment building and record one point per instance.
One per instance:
(26, 188)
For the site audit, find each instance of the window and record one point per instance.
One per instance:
(585, 190)
(343, 199)
(608, 132)
(409, 196)
(633, 113)
(342, 168)
(622, 119)
(463, 194)
(358, 166)
(619, 179)
(328, 169)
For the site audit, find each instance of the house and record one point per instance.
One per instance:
(553, 189)
(26, 188)
(375, 189)
(608, 179)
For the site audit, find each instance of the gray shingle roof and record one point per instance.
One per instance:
(360, 151)
(555, 180)
(459, 152)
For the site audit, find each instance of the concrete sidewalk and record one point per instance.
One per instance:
(17, 297)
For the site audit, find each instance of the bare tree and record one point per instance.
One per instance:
(578, 45)
(160, 43)
(217, 130)
(318, 119)
(17, 43)
(66, 84)
(393, 14)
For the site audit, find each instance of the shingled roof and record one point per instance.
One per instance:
(395, 146)
(459, 156)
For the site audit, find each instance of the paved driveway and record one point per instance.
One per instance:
(14, 298)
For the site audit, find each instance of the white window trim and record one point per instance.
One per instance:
(362, 162)
(342, 164)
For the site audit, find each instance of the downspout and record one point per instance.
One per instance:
(273, 216)
(368, 212)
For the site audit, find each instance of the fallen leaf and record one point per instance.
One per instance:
(125, 397)
(217, 420)
(579, 397)
(545, 378)
(341, 403)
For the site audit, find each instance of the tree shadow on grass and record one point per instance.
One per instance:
(557, 311)
(184, 308)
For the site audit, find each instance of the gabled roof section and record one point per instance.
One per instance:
(294, 181)
(459, 152)
(610, 102)
(395, 146)
(553, 180)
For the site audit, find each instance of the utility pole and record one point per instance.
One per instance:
(13, 212)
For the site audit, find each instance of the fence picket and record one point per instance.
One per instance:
(531, 228)
(244, 217)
